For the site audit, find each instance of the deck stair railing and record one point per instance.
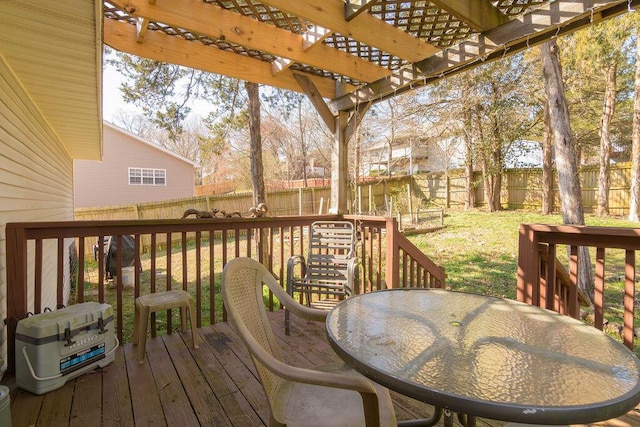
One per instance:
(184, 254)
(563, 287)
(546, 285)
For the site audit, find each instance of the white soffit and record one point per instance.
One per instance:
(55, 50)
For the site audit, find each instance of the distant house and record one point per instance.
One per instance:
(407, 157)
(435, 149)
(438, 149)
(132, 170)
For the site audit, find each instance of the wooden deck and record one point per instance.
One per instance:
(215, 385)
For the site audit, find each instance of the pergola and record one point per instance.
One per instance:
(344, 55)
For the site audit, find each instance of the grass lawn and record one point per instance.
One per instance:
(479, 252)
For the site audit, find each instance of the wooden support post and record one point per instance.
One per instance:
(550, 290)
(528, 262)
(392, 260)
(574, 261)
(339, 167)
(598, 298)
(409, 202)
(343, 126)
(629, 297)
(16, 245)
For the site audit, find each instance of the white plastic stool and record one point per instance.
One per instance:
(150, 303)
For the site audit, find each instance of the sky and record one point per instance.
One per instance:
(112, 101)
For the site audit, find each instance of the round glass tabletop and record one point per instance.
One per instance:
(484, 356)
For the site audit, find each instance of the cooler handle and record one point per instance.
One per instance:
(33, 374)
(115, 338)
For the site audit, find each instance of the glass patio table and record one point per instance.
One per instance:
(487, 357)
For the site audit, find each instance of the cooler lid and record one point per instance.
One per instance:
(55, 324)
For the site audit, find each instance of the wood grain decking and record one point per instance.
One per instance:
(215, 385)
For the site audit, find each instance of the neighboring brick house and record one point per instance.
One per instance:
(132, 170)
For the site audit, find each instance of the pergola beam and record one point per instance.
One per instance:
(313, 37)
(218, 23)
(316, 99)
(161, 47)
(364, 28)
(552, 19)
(355, 120)
(354, 8)
(481, 15)
(142, 25)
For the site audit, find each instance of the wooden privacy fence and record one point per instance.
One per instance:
(371, 197)
(280, 203)
(367, 197)
(194, 263)
(522, 189)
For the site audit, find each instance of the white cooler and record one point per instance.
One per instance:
(56, 346)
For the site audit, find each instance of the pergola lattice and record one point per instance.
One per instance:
(345, 55)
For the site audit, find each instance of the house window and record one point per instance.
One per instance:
(140, 176)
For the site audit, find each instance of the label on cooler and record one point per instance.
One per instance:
(82, 358)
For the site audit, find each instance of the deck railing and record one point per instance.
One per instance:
(547, 285)
(563, 287)
(188, 254)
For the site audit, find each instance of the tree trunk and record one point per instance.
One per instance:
(470, 200)
(604, 180)
(257, 170)
(496, 153)
(634, 204)
(485, 167)
(496, 179)
(547, 163)
(470, 189)
(566, 162)
(303, 146)
(486, 182)
(497, 191)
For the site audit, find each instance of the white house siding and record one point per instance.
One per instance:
(35, 181)
(106, 183)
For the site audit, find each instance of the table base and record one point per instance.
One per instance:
(465, 420)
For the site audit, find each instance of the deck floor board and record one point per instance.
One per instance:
(116, 397)
(215, 385)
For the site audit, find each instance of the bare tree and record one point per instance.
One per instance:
(257, 171)
(134, 123)
(547, 161)
(163, 91)
(604, 180)
(634, 203)
(568, 174)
